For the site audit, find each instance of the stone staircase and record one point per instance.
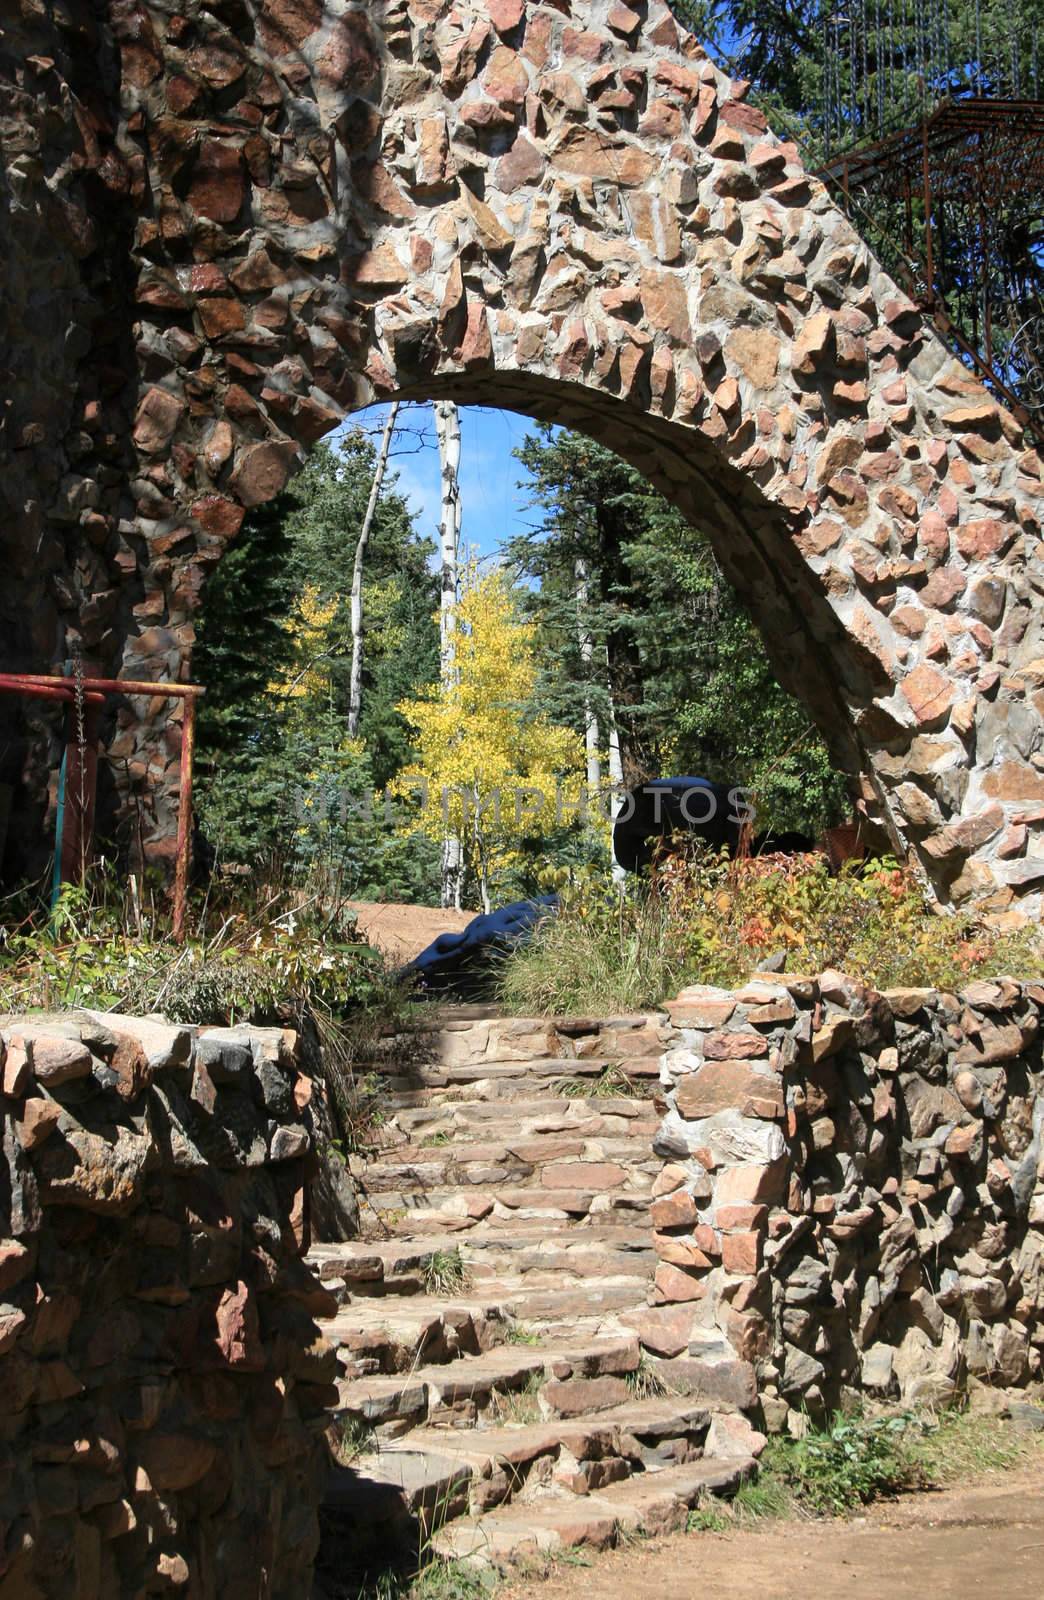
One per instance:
(508, 1387)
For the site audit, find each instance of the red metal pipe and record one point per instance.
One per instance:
(188, 745)
(9, 685)
(115, 685)
(44, 686)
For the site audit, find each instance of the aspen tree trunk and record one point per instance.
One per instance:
(355, 681)
(447, 430)
(591, 729)
(616, 779)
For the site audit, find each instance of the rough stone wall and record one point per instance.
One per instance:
(70, 371)
(162, 1380)
(854, 1189)
(563, 209)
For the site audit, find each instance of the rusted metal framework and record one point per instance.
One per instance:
(960, 198)
(84, 697)
(934, 140)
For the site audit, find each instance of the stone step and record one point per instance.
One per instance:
(369, 1258)
(642, 1504)
(393, 1335)
(522, 1074)
(589, 1116)
(501, 1095)
(485, 1027)
(516, 1461)
(566, 1164)
(513, 1147)
(405, 1212)
(490, 1224)
(373, 1268)
(589, 1302)
(522, 1412)
(573, 1263)
(461, 1392)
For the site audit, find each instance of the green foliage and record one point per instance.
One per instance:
(490, 766)
(709, 1517)
(774, 751)
(705, 919)
(856, 1459)
(267, 960)
(400, 594)
(674, 657)
(851, 1462)
(779, 46)
(603, 953)
(518, 1333)
(277, 776)
(871, 920)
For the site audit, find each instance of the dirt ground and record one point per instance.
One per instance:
(402, 932)
(981, 1543)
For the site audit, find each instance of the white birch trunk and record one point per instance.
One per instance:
(616, 780)
(447, 431)
(355, 680)
(591, 729)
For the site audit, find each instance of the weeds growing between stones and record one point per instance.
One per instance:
(445, 1272)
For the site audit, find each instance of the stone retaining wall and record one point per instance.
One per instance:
(854, 1189)
(162, 1380)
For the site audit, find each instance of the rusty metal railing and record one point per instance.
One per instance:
(94, 691)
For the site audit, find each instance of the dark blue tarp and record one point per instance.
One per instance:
(460, 961)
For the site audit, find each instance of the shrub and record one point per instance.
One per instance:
(707, 919)
(851, 1462)
(871, 920)
(247, 963)
(603, 952)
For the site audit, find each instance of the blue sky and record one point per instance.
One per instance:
(493, 505)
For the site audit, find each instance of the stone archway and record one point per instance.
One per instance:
(568, 210)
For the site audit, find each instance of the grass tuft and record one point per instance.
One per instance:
(519, 1333)
(707, 919)
(350, 1437)
(445, 1272)
(436, 1579)
(647, 1381)
(958, 1445)
(622, 960)
(518, 1406)
(612, 1084)
(710, 1516)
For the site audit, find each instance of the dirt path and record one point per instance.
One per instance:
(402, 932)
(982, 1543)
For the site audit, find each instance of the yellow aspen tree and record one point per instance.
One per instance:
(488, 769)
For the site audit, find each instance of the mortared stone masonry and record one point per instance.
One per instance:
(226, 226)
